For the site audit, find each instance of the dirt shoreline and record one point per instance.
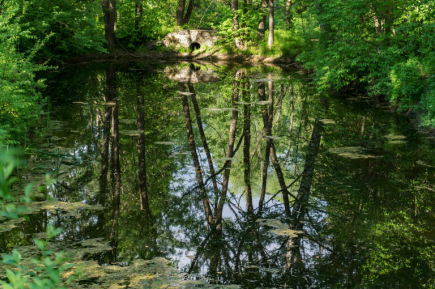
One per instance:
(154, 56)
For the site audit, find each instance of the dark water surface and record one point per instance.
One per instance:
(237, 176)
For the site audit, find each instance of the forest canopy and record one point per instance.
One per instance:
(385, 47)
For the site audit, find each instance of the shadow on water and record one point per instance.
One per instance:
(237, 176)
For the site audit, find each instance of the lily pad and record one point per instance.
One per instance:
(273, 137)
(352, 153)
(215, 109)
(224, 159)
(185, 93)
(127, 121)
(327, 121)
(287, 232)
(131, 132)
(165, 142)
(262, 102)
(261, 80)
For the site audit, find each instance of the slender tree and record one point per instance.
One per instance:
(288, 5)
(262, 20)
(109, 12)
(271, 24)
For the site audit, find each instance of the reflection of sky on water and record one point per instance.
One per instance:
(347, 195)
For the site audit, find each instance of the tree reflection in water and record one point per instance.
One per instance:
(281, 211)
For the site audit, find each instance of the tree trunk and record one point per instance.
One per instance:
(181, 7)
(271, 24)
(262, 20)
(188, 12)
(288, 5)
(234, 9)
(109, 12)
(180, 12)
(139, 15)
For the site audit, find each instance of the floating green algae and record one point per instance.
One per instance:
(11, 224)
(70, 209)
(352, 153)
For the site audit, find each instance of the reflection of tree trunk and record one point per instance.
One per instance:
(143, 189)
(116, 167)
(104, 156)
(363, 126)
(204, 140)
(230, 149)
(292, 114)
(293, 256)
(307, 175)
(267, 120)
(192, 145)
(281, 180)
(246, 150)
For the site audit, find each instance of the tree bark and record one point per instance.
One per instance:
(189, 12)
(181, 8)
(236, 25)
(262, 20)
(180, 12)
(271, 24)
(109, 12)
(288, 5)
(139, 14)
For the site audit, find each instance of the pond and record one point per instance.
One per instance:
(199, 175)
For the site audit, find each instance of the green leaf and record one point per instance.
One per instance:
(11, 276)
(40, 244)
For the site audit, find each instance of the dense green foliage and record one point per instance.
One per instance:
(20, 104)
(384, 46)
(388, 46)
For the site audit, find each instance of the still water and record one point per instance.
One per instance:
(213, 176)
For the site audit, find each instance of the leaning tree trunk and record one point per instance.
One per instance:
(109, 11)
(181, 7)
(271, 24)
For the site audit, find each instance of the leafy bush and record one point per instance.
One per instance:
(46, 270)
(20, 100)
